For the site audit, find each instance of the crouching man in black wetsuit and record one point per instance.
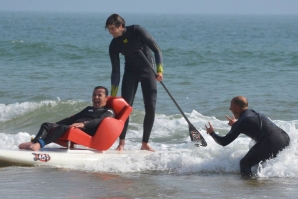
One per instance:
(269, 138)
(87, 120)
(129, 40)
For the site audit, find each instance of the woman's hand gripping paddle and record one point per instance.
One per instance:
(194, 134)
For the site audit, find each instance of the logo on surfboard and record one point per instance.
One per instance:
(42, 157)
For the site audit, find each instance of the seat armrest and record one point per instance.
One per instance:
(124, 113)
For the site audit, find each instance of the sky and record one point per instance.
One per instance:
(271, 7)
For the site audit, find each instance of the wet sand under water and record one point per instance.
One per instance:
(42, 182)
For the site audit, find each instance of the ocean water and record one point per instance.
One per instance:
(50, 63)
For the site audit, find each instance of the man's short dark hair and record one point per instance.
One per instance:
(102, 87)
(240, 101)
(115, 20)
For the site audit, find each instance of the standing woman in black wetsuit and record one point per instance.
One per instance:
(128, 40)
(269, 138)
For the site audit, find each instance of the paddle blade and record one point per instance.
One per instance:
(196, 137)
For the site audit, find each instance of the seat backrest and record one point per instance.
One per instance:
(117, 104)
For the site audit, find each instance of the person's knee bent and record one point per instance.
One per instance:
(245, 167)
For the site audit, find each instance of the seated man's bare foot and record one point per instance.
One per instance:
(145, 146)
(25, 145)
(35, 146)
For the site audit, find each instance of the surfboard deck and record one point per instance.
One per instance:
(63, 156)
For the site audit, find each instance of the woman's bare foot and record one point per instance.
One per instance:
(145, 146)
(25, 145)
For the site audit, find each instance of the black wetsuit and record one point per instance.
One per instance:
(49, 132)
(133, 39)
(269, 138)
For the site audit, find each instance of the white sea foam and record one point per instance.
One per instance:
(11, 111)
(176, 154)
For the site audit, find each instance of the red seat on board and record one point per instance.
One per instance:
(107, 132)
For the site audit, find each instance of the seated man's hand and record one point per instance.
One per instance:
(78, 125)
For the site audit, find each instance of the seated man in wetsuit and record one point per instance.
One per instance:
(269, 138)
(87, 120)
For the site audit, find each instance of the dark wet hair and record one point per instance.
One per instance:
(102, 87)
(115, 20)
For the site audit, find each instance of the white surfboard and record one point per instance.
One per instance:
(63, 156)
